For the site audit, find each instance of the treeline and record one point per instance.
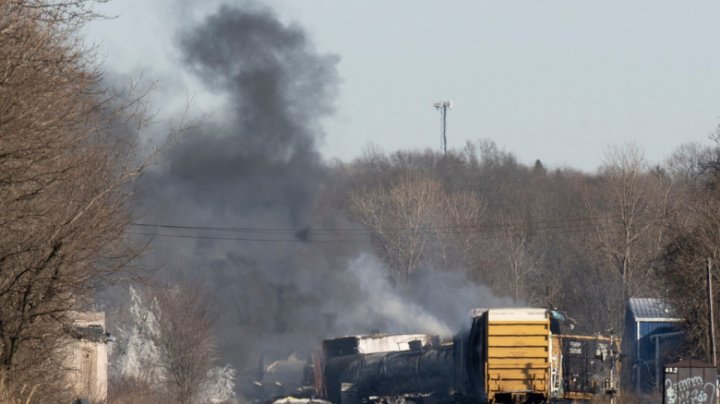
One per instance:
(581, 242)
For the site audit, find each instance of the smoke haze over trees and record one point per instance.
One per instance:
(292, 248)
(297, 249)
(254, 170)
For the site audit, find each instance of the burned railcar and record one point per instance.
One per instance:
(506, 355)
(376, 367)
(414, 374)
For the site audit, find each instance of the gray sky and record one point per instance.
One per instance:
(554, 80)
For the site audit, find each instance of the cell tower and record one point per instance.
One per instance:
(443, 106)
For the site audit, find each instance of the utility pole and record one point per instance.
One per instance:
(711, 313)
(443, 106)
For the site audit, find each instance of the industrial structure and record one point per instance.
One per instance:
(443, 107)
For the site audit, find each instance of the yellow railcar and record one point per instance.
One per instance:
(516, 355)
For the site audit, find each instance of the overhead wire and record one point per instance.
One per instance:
(350, 235)
(557, 221)
(203, 237)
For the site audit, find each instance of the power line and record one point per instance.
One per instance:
(245, 229)
(310, 235)
(584, 221)
(201, 237)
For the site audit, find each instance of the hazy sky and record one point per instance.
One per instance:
(557, 81)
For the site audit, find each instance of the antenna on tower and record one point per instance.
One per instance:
(443, 106)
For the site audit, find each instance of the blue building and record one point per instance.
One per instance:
(652, 329)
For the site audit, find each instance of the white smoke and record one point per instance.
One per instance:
(385, 304)
(450, 295)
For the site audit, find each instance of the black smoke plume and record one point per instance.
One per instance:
(253, 165)
(253, 169)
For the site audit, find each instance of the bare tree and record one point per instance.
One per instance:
(166, 347)
(693, 237)
(520, 262)
(414, 219)
(401, 220)
(628, 210)
(458, 229)
(186, 340)
(65, 178)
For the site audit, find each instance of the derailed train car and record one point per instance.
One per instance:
(506, 355)
(587, 365)
(375, 367)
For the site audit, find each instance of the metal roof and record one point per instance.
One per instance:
(652, 309)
